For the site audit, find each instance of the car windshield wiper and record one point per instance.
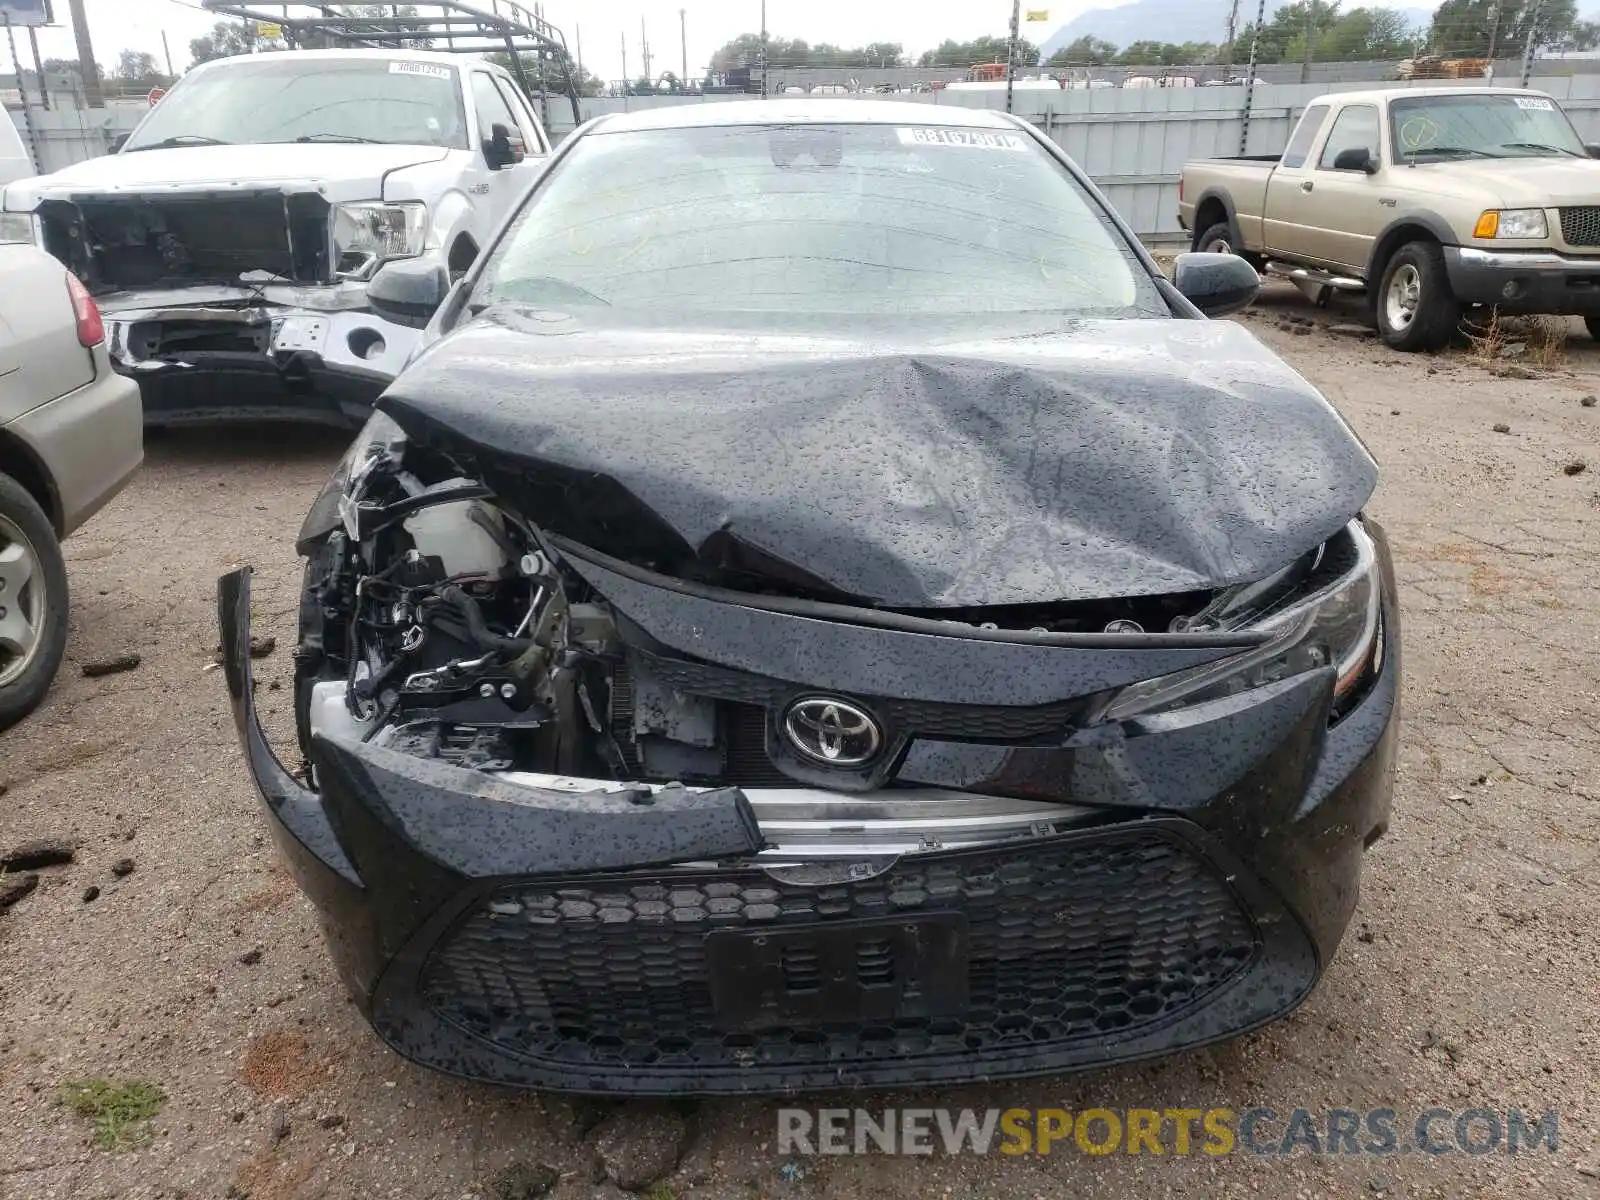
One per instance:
(1541, 148)
(336, 137)
(180, 139)
(1466, 151)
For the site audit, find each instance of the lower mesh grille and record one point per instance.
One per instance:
(1581, 226)
(1068, 939)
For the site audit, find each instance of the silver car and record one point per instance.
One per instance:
(70, 439)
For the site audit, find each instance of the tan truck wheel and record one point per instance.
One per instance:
(1414, 306)
(1218, 239)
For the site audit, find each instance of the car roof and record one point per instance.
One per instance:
(397, 55)
(808, 111)
(1375, 95)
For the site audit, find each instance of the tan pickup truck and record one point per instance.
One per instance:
(1429, 200)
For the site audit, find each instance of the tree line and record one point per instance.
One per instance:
(1318, 30)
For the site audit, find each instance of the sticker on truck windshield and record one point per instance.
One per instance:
(962, 137)
(431, 70)
(1536, 103)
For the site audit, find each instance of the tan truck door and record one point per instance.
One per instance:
(1342, 211)
(1280, 207)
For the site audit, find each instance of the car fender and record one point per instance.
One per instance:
(452, 210)
(1394, 235)
(1222, 196)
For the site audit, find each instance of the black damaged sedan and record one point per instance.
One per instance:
(823, 610)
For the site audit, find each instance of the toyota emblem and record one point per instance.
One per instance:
(834, 732)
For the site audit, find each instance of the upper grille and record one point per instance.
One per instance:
(968, 722)
(1070, 939)
(1581, 226)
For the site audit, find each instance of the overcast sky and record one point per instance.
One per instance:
(118, 25)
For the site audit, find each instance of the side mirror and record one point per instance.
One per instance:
(118, 142)
(502, 149)
(1356, 158)
(409, 291)
(1593, 150)
(1216, 284)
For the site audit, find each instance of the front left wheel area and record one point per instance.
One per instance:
(1414, 306)
(33, 603)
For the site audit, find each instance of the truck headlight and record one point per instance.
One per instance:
(370, 233)
(1502, 223)
(1332, 618)
(16, 227)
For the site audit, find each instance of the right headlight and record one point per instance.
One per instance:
(16, 227)
(1338, 623)
(370, 233)
(1512, 223)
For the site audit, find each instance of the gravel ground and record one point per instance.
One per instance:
(1468, 979)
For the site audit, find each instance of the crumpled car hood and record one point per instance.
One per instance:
(908, 464)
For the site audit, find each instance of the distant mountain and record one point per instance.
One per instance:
(1175, 21)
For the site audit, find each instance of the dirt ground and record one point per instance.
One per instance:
(1469, 977)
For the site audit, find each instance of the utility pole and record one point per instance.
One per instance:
(763, 49)
(577, 33)
(683, 43)
(1311, 37)
(87, 67)
(1534, 13)
(1250, 79)
(38, 68)
(167, 50)
(1227, 47)
(1011, 55)
(626, 87)
(644, 49)
(1494, 28)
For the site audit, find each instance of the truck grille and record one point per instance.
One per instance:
(1581, 226)
(1067, 939)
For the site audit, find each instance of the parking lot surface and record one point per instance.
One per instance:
(1468, 979)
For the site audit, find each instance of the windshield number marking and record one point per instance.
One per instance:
(1534, 103)
(970, 138)
(416, 68)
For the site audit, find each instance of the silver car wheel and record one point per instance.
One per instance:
(22, 602)
(1403, 296)
(1218, 245)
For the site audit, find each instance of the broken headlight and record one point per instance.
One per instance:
(1331, 615)
(379, 437)
(369, 234)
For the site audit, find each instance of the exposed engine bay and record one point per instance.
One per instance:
(440, 622)
(131, 241)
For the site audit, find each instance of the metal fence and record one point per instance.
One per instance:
(1132, 142)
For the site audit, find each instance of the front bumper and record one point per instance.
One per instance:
(1524, 281)
(567, 935)
(255, 355)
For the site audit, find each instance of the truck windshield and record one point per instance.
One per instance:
(290, 97)
(817, 219)
(1436, 128)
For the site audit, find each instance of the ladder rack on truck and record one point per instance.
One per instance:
(451, 26)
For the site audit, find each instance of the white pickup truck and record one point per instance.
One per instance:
(231, 239)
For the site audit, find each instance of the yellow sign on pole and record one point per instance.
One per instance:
(1038, 14)
(269, 29)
